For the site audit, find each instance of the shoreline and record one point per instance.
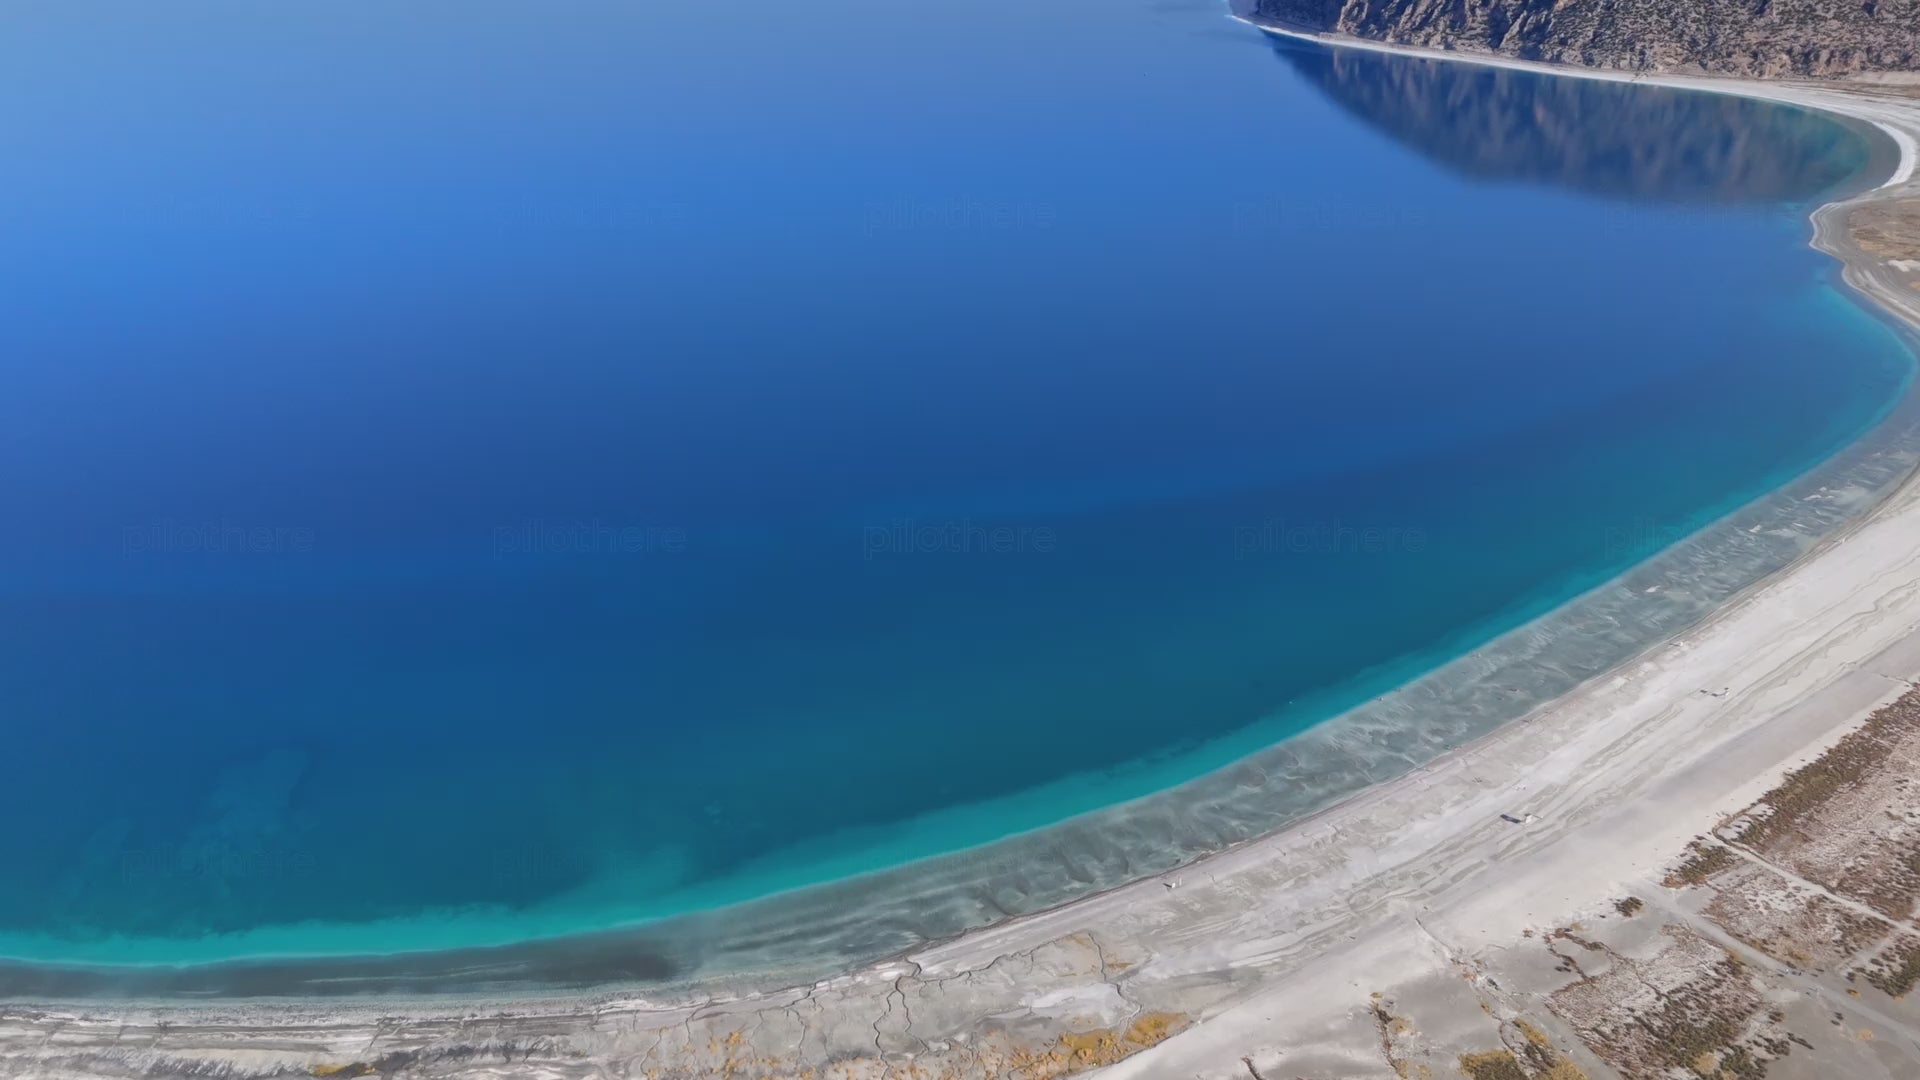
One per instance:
(1905, 146)
(1829, 97)
(1341, 882)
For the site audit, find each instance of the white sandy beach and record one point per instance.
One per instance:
(1268, 960)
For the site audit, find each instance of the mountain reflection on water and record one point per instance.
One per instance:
(1606, 138)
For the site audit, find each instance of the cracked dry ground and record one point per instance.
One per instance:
(921, 1027)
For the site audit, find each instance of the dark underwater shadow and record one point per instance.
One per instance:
(1613, 139)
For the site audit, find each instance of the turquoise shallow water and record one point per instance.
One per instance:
(580, 470)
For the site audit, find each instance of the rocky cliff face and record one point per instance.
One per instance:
(1765, 38)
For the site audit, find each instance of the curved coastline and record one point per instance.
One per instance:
(1716, 568)
(1827, 98)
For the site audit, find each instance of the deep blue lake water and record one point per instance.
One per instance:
(477, 470)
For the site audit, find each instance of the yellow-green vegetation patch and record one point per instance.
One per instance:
(1088, 1049)
(1703, 860)
(1493, 1065)
(1534, 1035)
(1153, 1028)
(1537, 1055)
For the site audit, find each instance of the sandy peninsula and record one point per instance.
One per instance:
(1705, 863)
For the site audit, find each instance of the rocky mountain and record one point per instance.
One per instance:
(1765, 38)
